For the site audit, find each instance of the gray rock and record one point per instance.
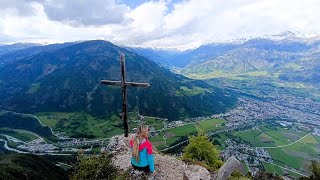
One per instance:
(166, 167)
(118, 144)
(195, 172)
(228, 167)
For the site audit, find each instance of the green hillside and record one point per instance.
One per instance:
(24, 122)
(67, 80)
(27, 166)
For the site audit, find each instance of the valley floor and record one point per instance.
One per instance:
(277, 130)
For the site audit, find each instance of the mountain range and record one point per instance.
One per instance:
(65, 77)
(289, 57)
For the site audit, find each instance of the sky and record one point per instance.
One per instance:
(180, 24)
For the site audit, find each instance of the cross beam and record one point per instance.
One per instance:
(124, 86)
(119, 83)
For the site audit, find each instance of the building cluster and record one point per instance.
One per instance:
(38, 146)
(80, 142)
(249, 110)
(316, 132)
(251, 156)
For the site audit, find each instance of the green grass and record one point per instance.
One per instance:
(157, 138)
(25, 122)
(249, 136)
(183, 130)
(52, 118)
(18, 134)
(293, 66)
(2, 112)
(171, 141)
(272, 168)
(178, 132)
(283, 159)
(79, 124)
(255, 73)
(34, 88)
(210, 124)
(96, 149)
(186, 130)
(269, 136)
(308, 145)
(184, 90)
(291, 156)
(245, 167)
(317, 138)
(155, 122)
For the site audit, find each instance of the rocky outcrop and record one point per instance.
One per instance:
(228, 167)
(195, 172)
(166, 167)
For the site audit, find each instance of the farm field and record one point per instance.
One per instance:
(271, 168)
(79, 124)
(182, 132)
(155, 122)
(288, 148)
(210, 124)
(270, 136)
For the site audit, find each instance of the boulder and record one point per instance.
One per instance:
(118, 144)
(195, 172)
(228, 167)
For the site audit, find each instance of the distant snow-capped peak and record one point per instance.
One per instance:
(292, 36)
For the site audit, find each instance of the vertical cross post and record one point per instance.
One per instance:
(124, 95)
(124, 85)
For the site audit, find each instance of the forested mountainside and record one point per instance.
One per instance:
(67, 79)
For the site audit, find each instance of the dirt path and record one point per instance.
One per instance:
(286, 144)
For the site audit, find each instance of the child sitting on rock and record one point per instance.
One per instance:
(142, 157)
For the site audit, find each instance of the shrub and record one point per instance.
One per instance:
(201, 149)
(94, 167)
(262, 175)
(236, 175)
(315, 169)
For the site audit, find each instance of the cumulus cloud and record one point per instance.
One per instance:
(83, 12)
(20, 7)
(163, 23)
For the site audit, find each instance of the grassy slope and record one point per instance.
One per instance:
(78, 124)
(19, 134)
(175, 134)
(271, 168)
(294, 156)
(25, 122)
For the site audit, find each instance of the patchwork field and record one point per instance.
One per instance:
(270, 136)
(288, 148)
(79, 124)
(271, 168)
(171, 136)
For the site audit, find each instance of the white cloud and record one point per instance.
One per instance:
(82, 12)
(187, 25)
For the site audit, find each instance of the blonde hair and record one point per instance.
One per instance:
(141, 132)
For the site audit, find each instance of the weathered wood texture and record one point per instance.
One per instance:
(124, 86)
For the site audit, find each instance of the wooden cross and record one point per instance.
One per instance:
(124, 86)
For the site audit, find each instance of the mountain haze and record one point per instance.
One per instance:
(286, 56)
(30, 51)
